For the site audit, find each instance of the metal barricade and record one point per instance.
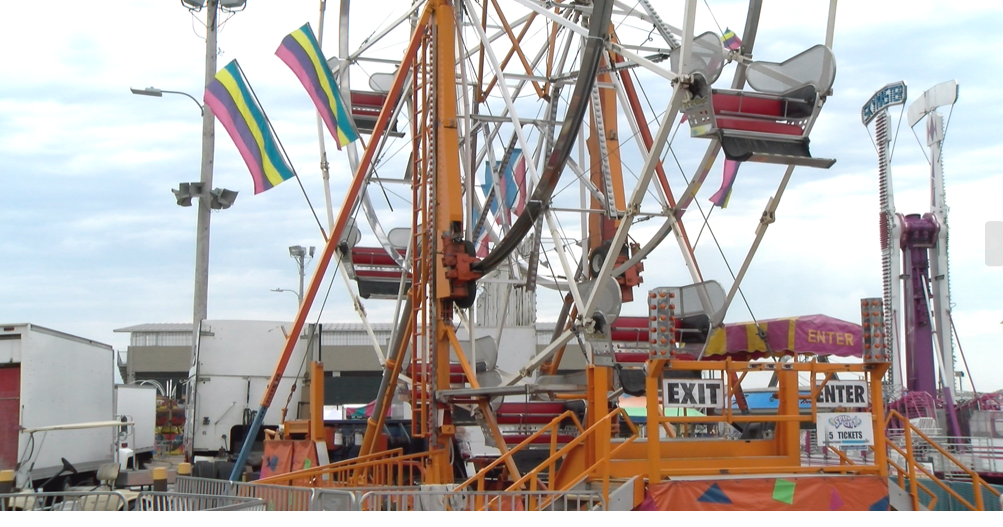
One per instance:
(335, 500)
(63, 501)
(211, 487)
(979, 454)
(277, 497)
(446, 500)
(176, 501)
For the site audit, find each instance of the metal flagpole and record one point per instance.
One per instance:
(325, 175)
(282, 149)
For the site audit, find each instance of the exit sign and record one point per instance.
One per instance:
(707, 393)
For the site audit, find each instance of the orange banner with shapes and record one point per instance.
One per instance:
(807, 493)
(277, 459)
(304, 457)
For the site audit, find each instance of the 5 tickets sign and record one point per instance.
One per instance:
(845, 429)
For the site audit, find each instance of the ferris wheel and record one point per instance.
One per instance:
(562, 140)
(529, 147)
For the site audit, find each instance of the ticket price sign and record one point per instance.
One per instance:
(845, 429)
(678, 393)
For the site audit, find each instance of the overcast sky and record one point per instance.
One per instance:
(91, 238)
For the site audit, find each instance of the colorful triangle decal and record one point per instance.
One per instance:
(880, 505)
(714, 494)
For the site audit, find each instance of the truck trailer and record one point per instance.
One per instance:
(52, 379)
(137, 404)
(233, 361)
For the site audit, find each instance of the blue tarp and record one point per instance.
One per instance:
(767, 401)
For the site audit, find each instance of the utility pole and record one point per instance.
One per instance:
(208, 143)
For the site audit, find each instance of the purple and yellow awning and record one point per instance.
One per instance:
(812, 334)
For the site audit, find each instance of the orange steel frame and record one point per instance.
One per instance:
(656, 459)
(437, 217)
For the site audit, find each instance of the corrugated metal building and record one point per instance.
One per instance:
(162, 352)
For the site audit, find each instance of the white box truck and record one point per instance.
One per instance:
(52, 379)
(232, 365)
(138, 404)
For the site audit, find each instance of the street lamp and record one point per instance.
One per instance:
(299, 253)
(156, 92)
(299, 297)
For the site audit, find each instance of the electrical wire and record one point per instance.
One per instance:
(711, 11)
(710, 230)
(954, 331)
(898, 129)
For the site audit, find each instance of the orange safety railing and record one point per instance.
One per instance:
(912, 466)
(600, 431)
(479, 480)
(388, 468)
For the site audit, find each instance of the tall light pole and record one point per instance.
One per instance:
(201, 301)
(208, 200)
(300, 253)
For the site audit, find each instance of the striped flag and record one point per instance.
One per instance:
(300, 51)
(721, 197)
(731, 40)
(510, 193)
(232, 102)
(519, 175)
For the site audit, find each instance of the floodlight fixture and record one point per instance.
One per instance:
(186, 191)
(183, 194)
(233, 5)
(229, 5)
(297, 251)
(222, 198)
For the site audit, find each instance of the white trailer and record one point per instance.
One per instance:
(49, 379)
(138, 404)
(231, 368)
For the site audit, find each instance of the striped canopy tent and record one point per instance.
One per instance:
(812, 334)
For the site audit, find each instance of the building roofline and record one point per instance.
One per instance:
(56, 333)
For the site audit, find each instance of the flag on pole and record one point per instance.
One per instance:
(300, 51)
(731, 40)
(721, 197)
(510, 189)
(510, 194)
(519, 176)
(232, 102)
